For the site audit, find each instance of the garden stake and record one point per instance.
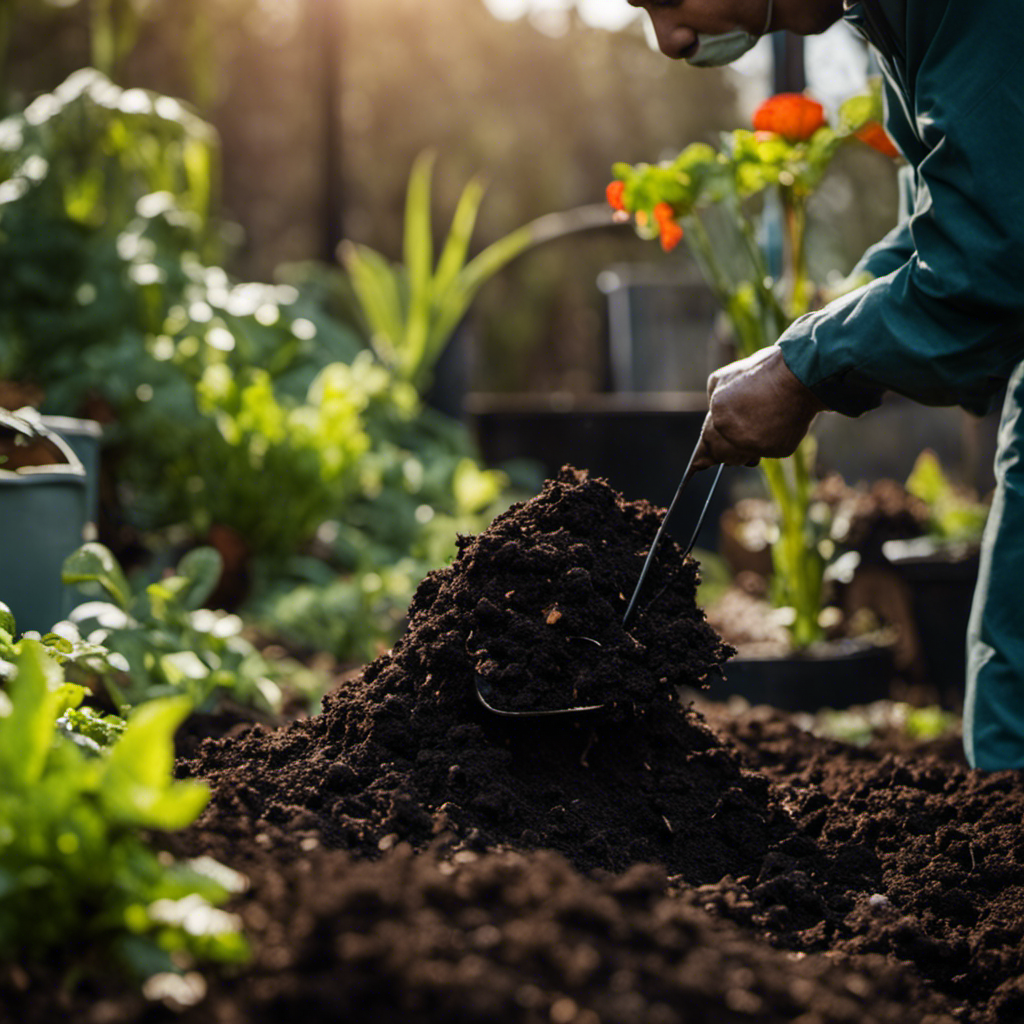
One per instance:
(484, 690)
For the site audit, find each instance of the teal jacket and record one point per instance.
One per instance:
(943, 320)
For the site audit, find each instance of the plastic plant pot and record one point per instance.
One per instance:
(85, 438)
(837, 674)
(42, 520)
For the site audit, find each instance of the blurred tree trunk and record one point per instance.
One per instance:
(325, 36)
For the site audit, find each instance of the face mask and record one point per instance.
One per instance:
(714, 51)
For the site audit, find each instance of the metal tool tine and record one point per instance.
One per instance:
(631, 608)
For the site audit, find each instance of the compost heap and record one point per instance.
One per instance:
(413, 857)
(534, 604)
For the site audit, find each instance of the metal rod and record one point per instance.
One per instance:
(627, 618)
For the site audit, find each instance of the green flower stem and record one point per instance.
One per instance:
(758, 317)
(795, 221)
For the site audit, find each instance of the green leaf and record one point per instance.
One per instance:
(456, 247)
(475, 488)
(927, 481)
(104, 730)
(418, 252)
(26, 734)
(95, 563)
(58, 644)
(198, 163)
(377, 289)
(202, 567)
(138, 787)
(7, 623)
(182, 667)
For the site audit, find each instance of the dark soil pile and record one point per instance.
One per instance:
(415, 858)
(407, 751)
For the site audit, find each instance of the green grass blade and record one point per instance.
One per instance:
(419, 262)
(456, 247)
(379, 293)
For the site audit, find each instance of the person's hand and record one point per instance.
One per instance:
(756, 409)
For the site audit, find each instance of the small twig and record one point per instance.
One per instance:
(586, 749)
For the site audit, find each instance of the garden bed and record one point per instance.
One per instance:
(412, 857)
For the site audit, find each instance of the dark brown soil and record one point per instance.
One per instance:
(415, 858)
(407, 751)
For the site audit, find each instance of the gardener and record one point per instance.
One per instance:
(942, 319)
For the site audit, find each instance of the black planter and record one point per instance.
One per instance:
(840, 674)
(941, 581)
(640, 443)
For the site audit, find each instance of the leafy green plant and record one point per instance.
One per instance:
(423, 489)
(163, 642)
(222, 393)
(80, 723)
(108, 295)
(953, 514)
(75, 874)
(412, 308)
(717, 200)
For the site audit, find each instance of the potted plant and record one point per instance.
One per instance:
(42, 518)
(717, 200)
(939, 570)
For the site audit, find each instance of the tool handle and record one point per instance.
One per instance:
(631, 608)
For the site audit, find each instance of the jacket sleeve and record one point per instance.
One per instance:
(943, 323)
(898, 246)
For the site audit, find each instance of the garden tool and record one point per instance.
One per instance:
(485, 691)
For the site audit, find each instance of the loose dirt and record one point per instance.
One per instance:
(414, 858)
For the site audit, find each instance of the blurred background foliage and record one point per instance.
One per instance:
(133, 227)
(321, 108)
(541, 118)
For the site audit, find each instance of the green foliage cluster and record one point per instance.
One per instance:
(954, 515)
(81, 661)
(74, 868)
(412, 308)
(722, 197)
(423, 492)
(159, 641)
(222, 393)
(107, 294)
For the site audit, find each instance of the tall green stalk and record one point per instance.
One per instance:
(708, 192)
(757, 317)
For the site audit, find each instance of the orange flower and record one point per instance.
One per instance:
(663, 213)
(874, 135)
(614, 193)
(792, 115)
(671, 234)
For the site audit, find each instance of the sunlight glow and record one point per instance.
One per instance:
(609, 14)
(837, 63)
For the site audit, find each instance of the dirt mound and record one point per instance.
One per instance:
(407, 750)
(912, 856)
(414, 857)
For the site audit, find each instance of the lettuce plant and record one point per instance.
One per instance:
(163, 642)
(75, 872)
